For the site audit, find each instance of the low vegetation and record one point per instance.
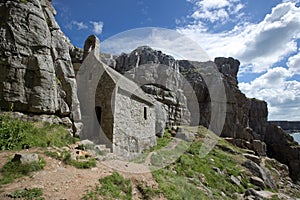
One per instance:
(114, 186)
(162, 141)
(16, 134)
(65, 157)
(28, 194)
(13, 170)
(195, 177)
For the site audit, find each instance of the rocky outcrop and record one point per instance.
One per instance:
(242, 112)
(282, 147)
(36, 72)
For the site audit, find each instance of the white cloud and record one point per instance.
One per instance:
(215, 11)
(209, 5)
(272, 39)
(283, 96)
(257, 46)
(294, 63)
(79, 25)
(97, 27)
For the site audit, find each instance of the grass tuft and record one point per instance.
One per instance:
(111, 187)
(28, 194)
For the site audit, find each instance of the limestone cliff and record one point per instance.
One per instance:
(36, 73)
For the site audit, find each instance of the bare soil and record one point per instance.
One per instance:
(59, 181)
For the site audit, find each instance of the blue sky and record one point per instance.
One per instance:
(264, 35)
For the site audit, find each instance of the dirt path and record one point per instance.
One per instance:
(59, 181)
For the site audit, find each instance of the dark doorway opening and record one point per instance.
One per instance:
(98, 111)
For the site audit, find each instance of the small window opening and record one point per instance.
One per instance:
(145, 113)
(90, 76)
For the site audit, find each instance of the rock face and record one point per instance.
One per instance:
(242, 112)
(283, 148)
(36, 73)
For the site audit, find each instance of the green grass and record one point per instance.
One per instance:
(148, 193)
(16, 134)
(65, 157)
(167, 156)
(13, 170)
(28, 194)
(194, 177)
(162, 141)
(174, 187)
(84, 164)
(111, 187)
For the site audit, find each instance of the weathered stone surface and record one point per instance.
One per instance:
(257, 181)
(36, 70)
(185, 135)
(234, 180)
(161, 119)
(259, 147)
(252, 157)
(252, 194)
(87, 143)
(26, 158)
(144, 55)
(281, 146)
(261, 172)
(133, 132)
